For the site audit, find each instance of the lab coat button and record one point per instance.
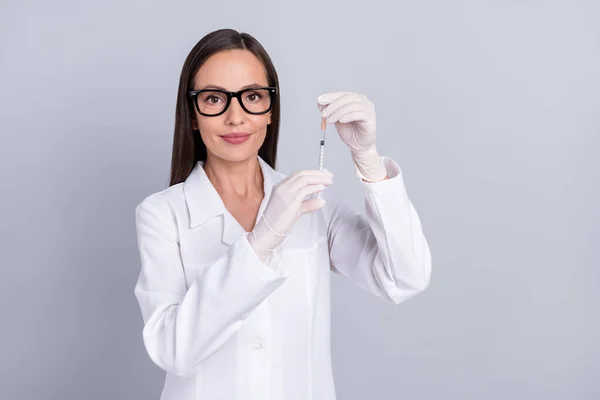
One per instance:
(257, 346)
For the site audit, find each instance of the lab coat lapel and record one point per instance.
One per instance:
(203, 201)
(231, 229)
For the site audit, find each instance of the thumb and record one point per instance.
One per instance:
(311, 205)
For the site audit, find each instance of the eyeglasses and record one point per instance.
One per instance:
(214, 102)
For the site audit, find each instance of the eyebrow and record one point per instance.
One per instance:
(252, 85)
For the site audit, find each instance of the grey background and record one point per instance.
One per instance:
(490, 107)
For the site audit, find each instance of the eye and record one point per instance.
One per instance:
(253, 96)
(212, 98)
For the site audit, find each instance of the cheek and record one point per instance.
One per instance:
(261, 122)
(260, 127)
(209, 127)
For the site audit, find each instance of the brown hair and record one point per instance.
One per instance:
(188, 147)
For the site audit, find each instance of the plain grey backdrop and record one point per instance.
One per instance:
(491, 108)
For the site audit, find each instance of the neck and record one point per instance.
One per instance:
(235, 179)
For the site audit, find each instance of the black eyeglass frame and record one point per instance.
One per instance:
(238, 95)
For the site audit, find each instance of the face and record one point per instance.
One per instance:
(231, 70)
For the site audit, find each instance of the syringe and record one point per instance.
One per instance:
(322, 146)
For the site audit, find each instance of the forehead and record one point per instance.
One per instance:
(231, 69)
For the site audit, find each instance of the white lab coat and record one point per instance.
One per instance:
(225, 326)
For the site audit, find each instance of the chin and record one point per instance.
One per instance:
(242, 153)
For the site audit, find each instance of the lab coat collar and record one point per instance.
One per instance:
(204, 203)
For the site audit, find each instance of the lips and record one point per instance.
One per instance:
(236, 137)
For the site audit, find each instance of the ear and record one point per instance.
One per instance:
(194, 124)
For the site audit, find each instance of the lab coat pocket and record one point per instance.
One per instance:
(297, 296)
(304, 251)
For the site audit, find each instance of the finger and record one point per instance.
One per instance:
(305, 172)
(359, 111)
(309, 173)
(345, 100)
(329, 108)
(355, 116)
(307, 180)
(307, 191)
(327, 98)
(311, 205)
(310, 189)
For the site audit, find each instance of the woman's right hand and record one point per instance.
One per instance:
(286, 204)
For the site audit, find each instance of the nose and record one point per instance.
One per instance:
(235, 114)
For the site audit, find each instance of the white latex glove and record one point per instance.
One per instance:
(354, 118)
(286, 204)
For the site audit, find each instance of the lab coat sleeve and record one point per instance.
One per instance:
(383, 251)
(183, 326)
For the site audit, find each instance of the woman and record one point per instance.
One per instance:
(234, 286)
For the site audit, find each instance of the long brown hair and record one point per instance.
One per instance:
(188, 147)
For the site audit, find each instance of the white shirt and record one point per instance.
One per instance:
(225, 326)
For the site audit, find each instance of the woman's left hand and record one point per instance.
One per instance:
(354, 118)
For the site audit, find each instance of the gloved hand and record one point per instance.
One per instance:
(354, 118)
(285, 206)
